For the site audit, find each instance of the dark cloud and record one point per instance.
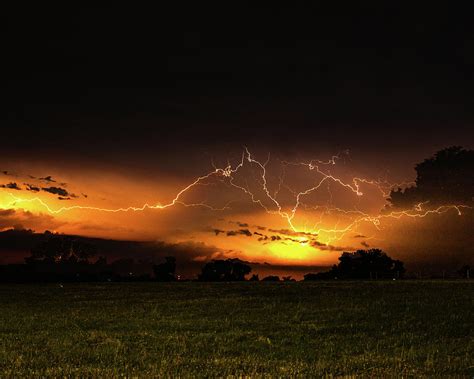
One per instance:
(12, 218)
(9, 173)
(359, 236)
(7, 212)
(32, 187)
(240, 224)
(283, 236)
(289, 232)
(317, 244)
(62, 193)
(244, 232)
(327, 247)
(231, 233)
(261, 236)
(11, 185)
(56, 191)
(290, 235)
(365, 244)
(47, 179)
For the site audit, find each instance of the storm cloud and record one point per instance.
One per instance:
(11, 185)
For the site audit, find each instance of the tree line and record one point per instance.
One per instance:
(66, 258)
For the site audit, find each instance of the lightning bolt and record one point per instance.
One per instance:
(270, 203)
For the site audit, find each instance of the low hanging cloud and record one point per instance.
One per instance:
(21, 219)
(11, 185)
(293, 233)
(32, 187)
(47, 179)
(239, 224)
(244, 232)
(261, 236)
(56, 191)
(327, 247)
(283, 236)
(62, 193)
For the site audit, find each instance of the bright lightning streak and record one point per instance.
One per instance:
(229, 174)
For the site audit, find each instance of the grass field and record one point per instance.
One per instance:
(202, 329)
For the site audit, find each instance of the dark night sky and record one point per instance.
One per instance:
(375, 78)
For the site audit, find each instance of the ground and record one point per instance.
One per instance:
(384, 328)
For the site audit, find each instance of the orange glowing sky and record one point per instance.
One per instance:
(255, 207)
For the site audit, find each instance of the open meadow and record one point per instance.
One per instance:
(380, 328)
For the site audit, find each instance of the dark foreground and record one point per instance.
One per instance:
(280, 329)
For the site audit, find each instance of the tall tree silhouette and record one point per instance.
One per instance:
(58, 248)
(166, 272)
(362, 264)
(445, 178)
(225, 270)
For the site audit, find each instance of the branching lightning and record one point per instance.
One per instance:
(269, 200)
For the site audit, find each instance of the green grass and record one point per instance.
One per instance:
(257, 329)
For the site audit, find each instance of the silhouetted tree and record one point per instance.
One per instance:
(288, 279)
(224, 270)
(271, 278)
(447, 177)
(58, 248)
(362, 264)
(165, 272)
(254, 278)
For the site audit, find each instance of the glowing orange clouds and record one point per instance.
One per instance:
(318, 201)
